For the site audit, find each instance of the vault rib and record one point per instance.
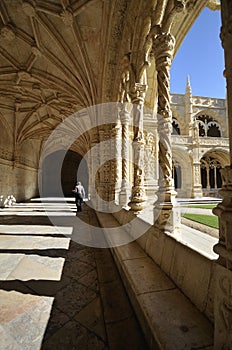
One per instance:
(3, 13)
(9, 58)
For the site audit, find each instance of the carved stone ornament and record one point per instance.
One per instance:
(138, 92)
(214, 5)
(197, 173)
(7, 33)
(67, 17)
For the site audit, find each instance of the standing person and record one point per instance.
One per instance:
(79, 195)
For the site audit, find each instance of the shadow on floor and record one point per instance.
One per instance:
(91, 309)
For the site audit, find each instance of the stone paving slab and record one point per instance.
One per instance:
(34, 230)
(187, 328)
(27, 242)
(31, 267)
(23, 319)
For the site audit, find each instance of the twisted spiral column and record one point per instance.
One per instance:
(163, 47)
(125, 110)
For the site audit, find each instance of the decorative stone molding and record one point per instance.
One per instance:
(36, 51)
(28, 9)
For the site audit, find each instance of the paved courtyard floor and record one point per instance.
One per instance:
(56, 293)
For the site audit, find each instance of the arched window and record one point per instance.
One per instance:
(210, 173)
(175, 127)
(213, 129)
(208, 126)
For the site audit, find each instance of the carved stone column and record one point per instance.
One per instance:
(125, 185)
(197, 187)
(223, 268)
(138, 196)
(163, 47)
(116, 163)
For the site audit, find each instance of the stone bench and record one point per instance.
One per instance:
(168, 318)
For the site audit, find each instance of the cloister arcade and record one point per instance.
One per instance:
(88, 82)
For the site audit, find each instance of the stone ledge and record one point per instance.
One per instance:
(168, 318)
(200, 227)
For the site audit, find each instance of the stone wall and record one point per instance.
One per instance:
(19, 180)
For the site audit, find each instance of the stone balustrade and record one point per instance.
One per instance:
(202, 141)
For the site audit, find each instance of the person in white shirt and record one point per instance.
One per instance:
(79, 192)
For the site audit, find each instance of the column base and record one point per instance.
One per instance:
(167, 216)
(138, 199)
(197, 192)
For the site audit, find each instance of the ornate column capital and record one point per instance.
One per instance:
(163, 48)
(138, 93)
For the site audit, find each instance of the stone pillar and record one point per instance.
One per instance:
(163, 47)
(116, 163)
(215, 176)
(124, 194)
(208, 178)
(223, 267)
(138, 196)
(197, 187)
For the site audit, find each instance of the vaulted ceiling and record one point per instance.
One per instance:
(59, 56)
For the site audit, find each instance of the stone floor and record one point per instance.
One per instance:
(56, 293)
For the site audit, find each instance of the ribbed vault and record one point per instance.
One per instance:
(59, 56)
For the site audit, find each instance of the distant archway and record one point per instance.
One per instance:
(69, 171)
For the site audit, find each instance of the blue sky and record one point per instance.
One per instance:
(201, 57)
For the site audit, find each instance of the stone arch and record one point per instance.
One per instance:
(73, 168)
(212, 162)
(182, 158)
(221, 154)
